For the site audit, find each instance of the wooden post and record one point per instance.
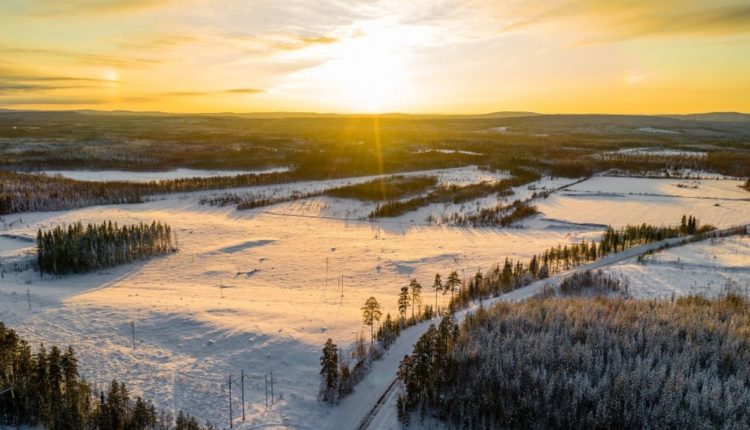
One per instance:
(230, 401)
(132, 327)
(242, 383)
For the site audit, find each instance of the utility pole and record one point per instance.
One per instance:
(272, 388)
(132, 328)
(242, 383)
(266, 379)
(28, 296)
(230, 401)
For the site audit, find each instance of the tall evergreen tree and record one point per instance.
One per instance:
(370, 314)
(416, 292)
(329, 369)
(437, 286)
(403, 302)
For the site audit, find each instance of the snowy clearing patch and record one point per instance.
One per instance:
(709, 268)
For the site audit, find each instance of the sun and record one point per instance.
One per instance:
(368, 72)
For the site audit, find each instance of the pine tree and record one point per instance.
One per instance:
(437, 286)
(416, 292)
(403, 302)
(371, 313)
(329, 364)
(451, 283)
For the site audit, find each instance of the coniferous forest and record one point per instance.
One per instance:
(79, 249)
(44, 388)
(586, 363)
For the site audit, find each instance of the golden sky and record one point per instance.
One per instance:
(451, 56)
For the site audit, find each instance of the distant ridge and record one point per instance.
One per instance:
(272, 115)
(715, 117)
(730, 117)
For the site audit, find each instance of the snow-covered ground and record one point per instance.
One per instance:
(247, 291)
(132, 176)
(620, 200)
(257, 290)
(709, 268)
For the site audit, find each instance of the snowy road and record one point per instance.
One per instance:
(371, 406)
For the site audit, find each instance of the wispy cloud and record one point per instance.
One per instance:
(616, 20)
(56, 8)
(244, 91)
(209, 93)
(79, 57)
(13, 101)
(31, 88)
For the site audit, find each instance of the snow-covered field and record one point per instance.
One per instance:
(620, 200)
(122, 175)
(258, 290)
(710, 268)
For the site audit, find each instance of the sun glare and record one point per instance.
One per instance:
(111, 75)
(367, 73)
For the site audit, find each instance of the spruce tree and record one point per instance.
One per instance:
(416, 292)
(371, 313)
(329, 368)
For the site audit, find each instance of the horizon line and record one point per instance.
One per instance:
(515, 113)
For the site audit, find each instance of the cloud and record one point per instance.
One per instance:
(184, 94)
(56, 8)
(86, 58)
(244, 91)
(318, 40)
(31, 88)
(49, 101)
(617, 20)
(19, 83)
(158, 42)
(209, 93)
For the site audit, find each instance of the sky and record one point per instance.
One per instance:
(354, 56)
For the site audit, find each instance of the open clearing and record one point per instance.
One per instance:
(258, 290)
(709, 268)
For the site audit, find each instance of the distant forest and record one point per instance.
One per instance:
(79, 249)
(335, 147)
(380, 189)
(456, 194)
(585, 363)
(44, 388)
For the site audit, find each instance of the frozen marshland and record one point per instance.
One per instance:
(261, 290)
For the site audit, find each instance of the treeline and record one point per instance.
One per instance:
(45, 389)
(79, 249)
(376, 190)
(20, 192)
(585, 363)
(573, 164)
(632, 235)
(338, 376)
(456, 194)
(500, 215)
(383, 189)
(517, 274)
